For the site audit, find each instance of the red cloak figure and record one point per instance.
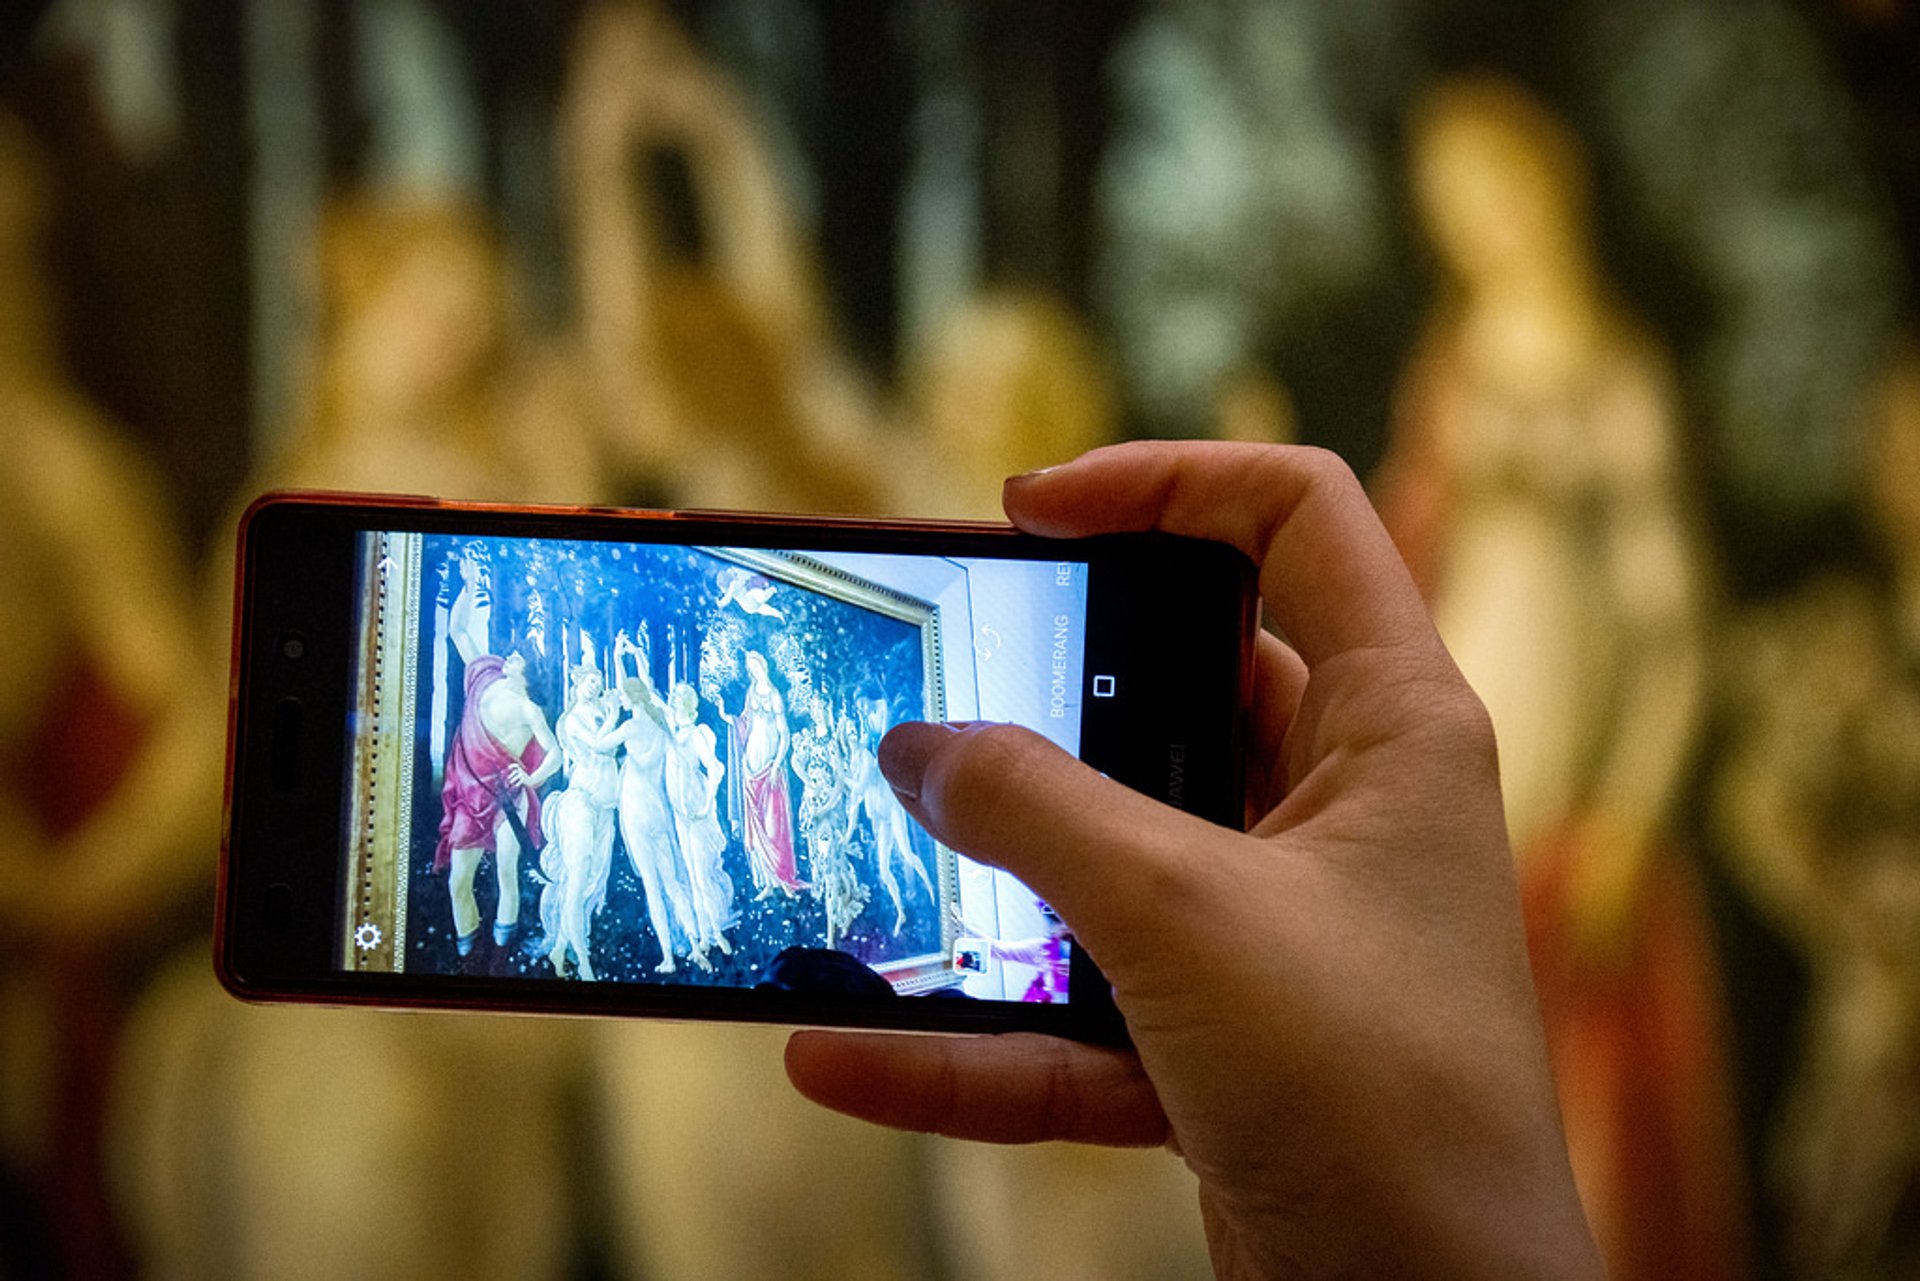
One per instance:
(476, 781)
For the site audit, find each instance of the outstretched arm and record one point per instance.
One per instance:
(622, 646)
(607, 114)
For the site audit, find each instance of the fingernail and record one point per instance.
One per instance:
(905, 751)
(1035, 474)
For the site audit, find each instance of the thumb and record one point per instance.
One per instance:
(1110, 860)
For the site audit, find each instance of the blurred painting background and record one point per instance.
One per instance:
(1614, 305)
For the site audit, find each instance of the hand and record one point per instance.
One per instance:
(516, 776)
(1332, 1012)
(964, 927)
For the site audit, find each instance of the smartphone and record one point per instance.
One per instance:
(595, 761)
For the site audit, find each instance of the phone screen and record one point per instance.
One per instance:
(640, 762)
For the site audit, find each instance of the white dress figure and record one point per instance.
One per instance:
(579, 853)
(693, 789)
(758, 742)
(646, 818)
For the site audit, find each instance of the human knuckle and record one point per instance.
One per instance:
(1061, 1103)
(1459, 714)
(1159, 451)
(1323, 467)
(985, 755)
(1308, 473)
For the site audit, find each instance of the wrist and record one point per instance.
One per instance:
(1504, 1206)
(1526, 1238)
(1455, 1174)
(1523, 1236)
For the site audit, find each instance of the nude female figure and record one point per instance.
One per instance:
(646, 816)
(580, 819)
(693, 774)
(868, 789)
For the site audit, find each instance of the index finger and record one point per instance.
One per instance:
(1329, 573)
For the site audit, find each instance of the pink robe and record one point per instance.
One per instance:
(1049, 957)
(1639, 1053)
(766, 813)
(476, 779)
(67, 767)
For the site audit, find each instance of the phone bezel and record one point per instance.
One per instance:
(295, 577)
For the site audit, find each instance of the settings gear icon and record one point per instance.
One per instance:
(367, 937)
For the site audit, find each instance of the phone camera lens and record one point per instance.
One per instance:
(293, 647)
